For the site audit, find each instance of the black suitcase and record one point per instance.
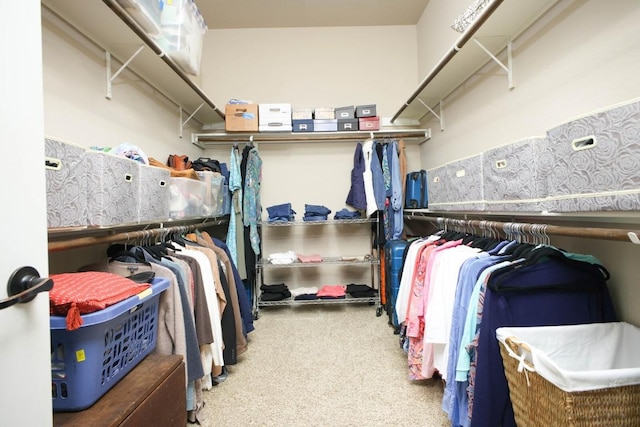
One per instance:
(416, 196)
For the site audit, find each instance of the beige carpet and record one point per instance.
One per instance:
(337, 365)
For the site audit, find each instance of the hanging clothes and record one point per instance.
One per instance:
(357, 197)
(235, 216)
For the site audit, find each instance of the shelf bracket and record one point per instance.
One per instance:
(438, 116)
(183, 123)
(111, 77)
(508, 68)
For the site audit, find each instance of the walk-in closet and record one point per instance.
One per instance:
(349, 213)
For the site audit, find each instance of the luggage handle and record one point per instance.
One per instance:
(584, 143)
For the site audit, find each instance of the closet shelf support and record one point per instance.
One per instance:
(438, 116)
(508, 68)
(183, 123)
(111, 77)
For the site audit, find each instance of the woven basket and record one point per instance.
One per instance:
(541, 404)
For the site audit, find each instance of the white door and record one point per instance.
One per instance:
(25, 361)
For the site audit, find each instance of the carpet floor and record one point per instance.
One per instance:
(323, 365)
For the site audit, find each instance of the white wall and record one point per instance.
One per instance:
(77, 111)
(584, 55)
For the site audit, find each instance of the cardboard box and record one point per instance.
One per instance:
(347, 124)
(302, 125)
(325, 125)
(345, 112)
(366, 110)
(369, 123)
(241, 117)
(324, 113)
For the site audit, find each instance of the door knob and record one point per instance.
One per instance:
(23, 286)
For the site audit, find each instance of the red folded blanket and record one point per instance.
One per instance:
(74, 294)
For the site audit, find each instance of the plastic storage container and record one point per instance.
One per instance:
(213, 194)
(186, 198)
(183, 30)
(146, 13)
(87, 362)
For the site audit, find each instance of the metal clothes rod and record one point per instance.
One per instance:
(129, 236)
(464, 38)
(422, 134)
(616, 234)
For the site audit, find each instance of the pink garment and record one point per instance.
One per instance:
(309, 258)
(334, 291)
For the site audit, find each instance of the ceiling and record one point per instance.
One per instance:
(224, 14)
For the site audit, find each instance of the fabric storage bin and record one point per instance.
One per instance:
(65, 174)
(438, 187)
(345, 112)
(464, 185)
(112, 189)
(213, 193)
(87, 362)
(578, 375)
(366, 110)
(186, 198)
(325, 125)
(369, 123)
(153, 193)
(147, 13)
(512, 178)
(347, 124)
(594, 161)
(241, 117)
(324, 113)
(302, 125)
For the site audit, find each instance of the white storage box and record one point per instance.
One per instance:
(513, 181)
(186, 198)
(183, 30)
(153, 193)
(147, 13)
(65, 173)
(112, 189)
(213, 193)
(595, 161)
(274, 118)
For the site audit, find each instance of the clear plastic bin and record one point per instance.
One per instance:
(213, 196)
(186, 198)
(183, 30)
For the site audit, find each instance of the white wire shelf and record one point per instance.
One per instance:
(368, 260)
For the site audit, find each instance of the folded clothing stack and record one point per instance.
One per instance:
(288, 257)
(361, 291)
(347, 214)
(309, 293)
(332, 292)
(315, 213)
(277, 292)
(281, 213)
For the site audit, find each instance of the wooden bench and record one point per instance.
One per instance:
(152, 394)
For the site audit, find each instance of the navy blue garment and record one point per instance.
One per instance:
(313, 217)
(243, 300)
(280, 211)
(316, 210)
(357, 197)
(346, 214)
(551, 292)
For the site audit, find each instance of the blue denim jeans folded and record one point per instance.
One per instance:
(282, 210)
(314, 217)
(346, 214)
(316, 210)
